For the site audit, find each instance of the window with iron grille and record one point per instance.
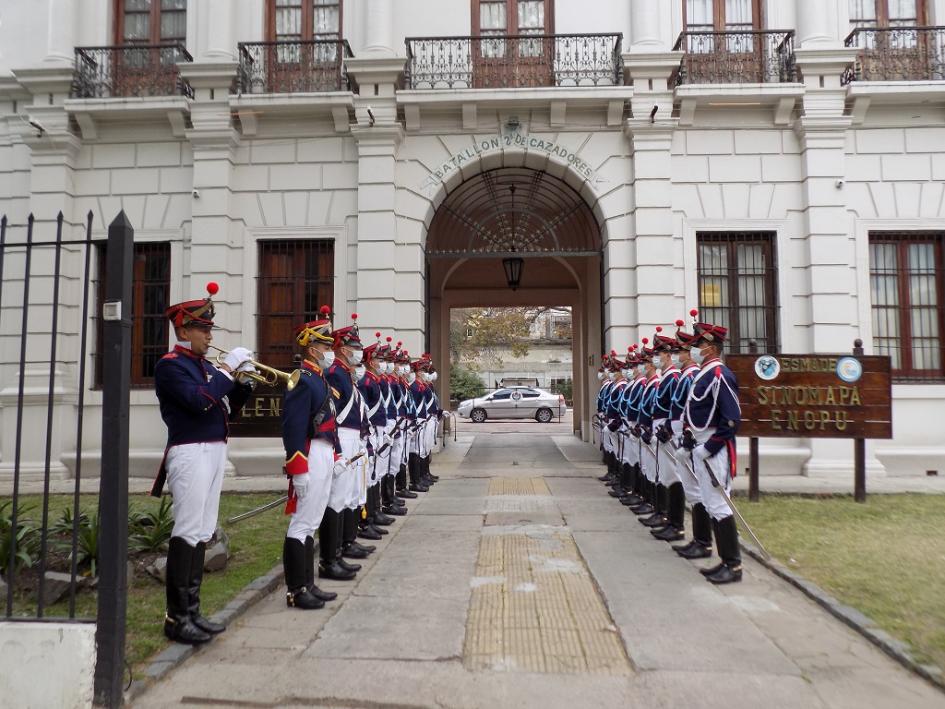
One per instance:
(906, 290)
(738, 287)
(296, 278)
(150, 21)
(150, 296)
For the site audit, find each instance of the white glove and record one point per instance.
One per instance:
(700, 452)
(339, 467)
(300, 484)
(236, 357)
(247, 367)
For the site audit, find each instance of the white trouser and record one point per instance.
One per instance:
(606, 438)
(429, 434)
(344, 483)
(195, 478)
(689, 482)
(647, 461)
(397, 451)
(631, 449)
(422, 437)
(712, 498)
(377, 464)
(667, 459)
(389, 461)
(311, 508)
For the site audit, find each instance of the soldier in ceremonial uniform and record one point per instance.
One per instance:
(644, 430)
(403, 434)
(712, 415)
(629, 409)
(612, 412)
(391, 504)
(700, 546)
(372, 387)
(417, 458)
(312, 451)
(352, 433)
(670, 486)
(604, 376)
(197, 401)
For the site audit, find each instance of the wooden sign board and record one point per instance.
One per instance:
(262, 415)
(813, 396)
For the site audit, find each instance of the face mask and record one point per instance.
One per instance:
(360, 371)
(390, 367)
(600, 376)
(656, 362)
(641, 369)
(328, 359)
(627, 372)
(697, 356)
(356, 357)
(411, 377)
(675, 359)
(434, 376)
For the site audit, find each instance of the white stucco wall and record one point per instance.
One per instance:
(47, 664)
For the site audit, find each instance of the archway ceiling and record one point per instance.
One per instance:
(542, 216)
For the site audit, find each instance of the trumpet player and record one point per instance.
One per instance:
(197, 402)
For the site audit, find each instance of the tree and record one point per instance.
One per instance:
(465, 384)
(479, 335)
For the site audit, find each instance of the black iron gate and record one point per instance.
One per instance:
(28, 546)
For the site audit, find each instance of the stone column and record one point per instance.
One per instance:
(645, 26)
(817, 23)
(217, 21)
(216, 240)
(61, 32)
(378, 27)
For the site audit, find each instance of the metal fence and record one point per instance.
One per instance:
(287, 66)
(736, 57)
(897, 54)
(32, 546)
(130, 70)
(514, 61)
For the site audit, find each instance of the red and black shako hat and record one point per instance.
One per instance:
(194, 312)
(348, 336)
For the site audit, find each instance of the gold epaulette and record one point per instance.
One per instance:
(335, 393)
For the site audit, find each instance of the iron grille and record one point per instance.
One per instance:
(514, 61)
(293, 66)
(296, 277)
(736, 57)
(738, 288)
(130, 70)
(150, 296)
(906, 291)
(897, 54)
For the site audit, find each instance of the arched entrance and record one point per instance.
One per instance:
(517, 213)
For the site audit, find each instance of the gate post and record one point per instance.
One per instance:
(113, 496)
(859, 448)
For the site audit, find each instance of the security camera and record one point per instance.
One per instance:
(196, 193)
(37, 125)
(839, 183)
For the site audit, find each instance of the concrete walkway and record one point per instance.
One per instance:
(517, 582)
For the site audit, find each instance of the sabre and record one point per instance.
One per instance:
(728, 500)
(275, 503)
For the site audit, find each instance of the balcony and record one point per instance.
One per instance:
(736, 57)
(897, 54)
(514, 61)
(291, 67)
(139, 70)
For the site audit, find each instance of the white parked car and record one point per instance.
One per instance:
(517, 402)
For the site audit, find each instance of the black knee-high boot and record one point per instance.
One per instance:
(675, 515)
(193, 592)
(328, 539)
(310, 573)
(294, 563)
(376, 513)
(177, 622)
(413, 470)
(726, 541)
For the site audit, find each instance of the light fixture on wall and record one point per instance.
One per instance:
(513, 265)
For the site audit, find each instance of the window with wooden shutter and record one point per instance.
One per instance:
(296, 277)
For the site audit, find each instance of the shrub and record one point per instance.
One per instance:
(465, 384)
(27, 538)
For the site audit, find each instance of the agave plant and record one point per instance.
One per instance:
(26, 536)
(151, 531)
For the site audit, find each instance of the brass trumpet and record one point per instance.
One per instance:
(270, 376)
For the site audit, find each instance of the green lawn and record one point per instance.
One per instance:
(885, 557)
(255, 547)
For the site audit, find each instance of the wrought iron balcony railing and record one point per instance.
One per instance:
(897, 54)
(130, 70)
(514, 61)
(288, 67)
(736, 57)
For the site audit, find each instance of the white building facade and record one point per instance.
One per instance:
(779, 164)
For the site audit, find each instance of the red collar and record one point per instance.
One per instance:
(339, 363)
(710, 361)
(310, 365)
(187, 352)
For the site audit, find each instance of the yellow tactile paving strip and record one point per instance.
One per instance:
(535, 608)
(518, 486)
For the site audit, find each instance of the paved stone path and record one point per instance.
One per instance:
(517, 582)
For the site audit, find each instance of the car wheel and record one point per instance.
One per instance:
(477, 415)
(544, 415)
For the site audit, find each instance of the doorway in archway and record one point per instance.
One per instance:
(520, 238)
